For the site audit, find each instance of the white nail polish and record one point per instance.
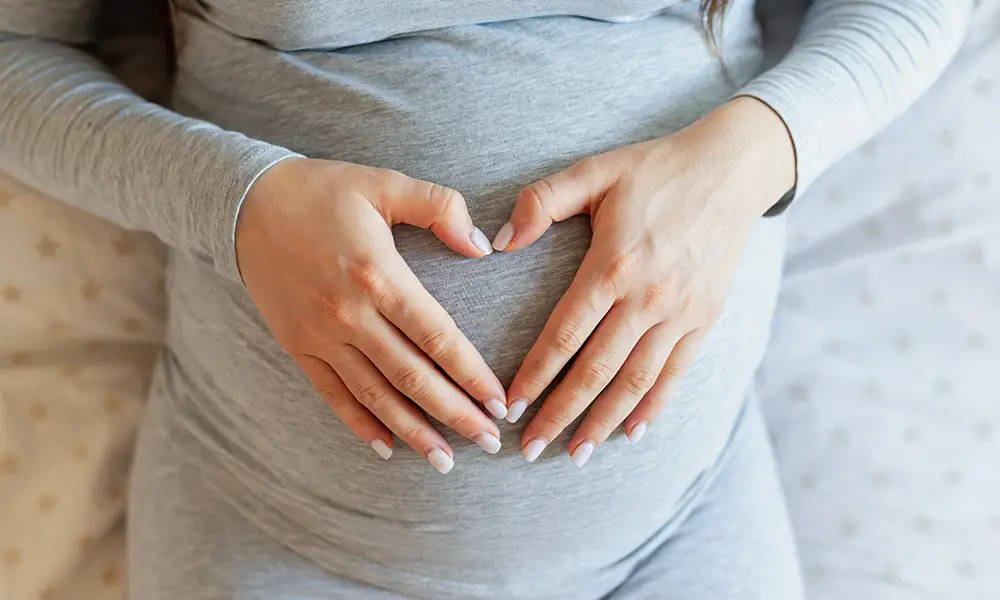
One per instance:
(504, 237)
(440, 459)
(516, 409)
(481, 242)
(638, 430)
(582, 454)
(496, 407)
(488, 442)
(533, 450)
(382, 449)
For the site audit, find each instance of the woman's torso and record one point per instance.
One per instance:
(484, 109)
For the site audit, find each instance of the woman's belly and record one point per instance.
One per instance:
(536, 105)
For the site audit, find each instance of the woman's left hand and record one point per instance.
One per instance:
(670, 221)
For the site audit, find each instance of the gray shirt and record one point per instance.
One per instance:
(482, 96)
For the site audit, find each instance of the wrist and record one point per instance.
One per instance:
(761, 149)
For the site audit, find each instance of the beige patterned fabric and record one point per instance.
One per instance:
(81, 309)
(81, 319)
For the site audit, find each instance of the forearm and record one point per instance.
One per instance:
(70, 129)
(857, 65)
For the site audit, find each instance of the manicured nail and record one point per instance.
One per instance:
(382, 449)
(440, 459)
(638, 430)
(488, 442)
(533, 449)
(504, 237)
(581, 455)
(516, 409)
(481, 242)
(496, 407)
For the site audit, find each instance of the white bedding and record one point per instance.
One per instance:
(881, 383)
(879, 386)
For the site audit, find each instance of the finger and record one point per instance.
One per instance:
(573, 319)
(557, 197)
(636, 377)
(413, 374)
(424, 321)
(404, 419)
(357, 418)
(594, 369)
(652, 404)
(431, 206)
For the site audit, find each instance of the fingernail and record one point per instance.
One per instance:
(533, 449)
(638, 430)
(382, 449)
(581, 455)
(504, 237)
(516, 409)
(496, 407)
(488, 442)
(481, 241)
(440, 459)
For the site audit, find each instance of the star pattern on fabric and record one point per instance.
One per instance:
(47, 503)
(125, 245)
(47, 248)
(11, 294)
(90, 290)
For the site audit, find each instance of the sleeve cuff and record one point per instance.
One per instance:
(244, 169)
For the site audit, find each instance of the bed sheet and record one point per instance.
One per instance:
(881, 383)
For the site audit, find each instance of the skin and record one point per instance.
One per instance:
(316, 253)
(670, 221)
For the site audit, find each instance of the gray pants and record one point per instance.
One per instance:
(729, 539)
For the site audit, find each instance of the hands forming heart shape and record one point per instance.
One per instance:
(670, 220)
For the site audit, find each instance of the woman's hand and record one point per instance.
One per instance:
(317, 256)
(670, 221)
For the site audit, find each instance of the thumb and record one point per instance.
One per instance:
(558, 197)
(440, 209)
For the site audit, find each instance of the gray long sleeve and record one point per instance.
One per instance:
(856, 66)
(70, 129)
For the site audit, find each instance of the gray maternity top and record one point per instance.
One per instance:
(483, 96)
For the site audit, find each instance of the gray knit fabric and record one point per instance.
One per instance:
(482, 96)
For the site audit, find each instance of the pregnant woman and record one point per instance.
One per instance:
(620, 153)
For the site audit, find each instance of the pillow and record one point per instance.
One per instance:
(81, 320)
(880, 384)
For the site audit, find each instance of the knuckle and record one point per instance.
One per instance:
(411, 382)
(535, 380)
(655, 297)
(553, 420)
(328, 392)
(639, 381)
(596, 376)
(412, 434)
(568, 338)
(473, 382)
(372, 397)
(442, 199)
(673, 372)
(436, 343)
(601, 423)
(540, 192)
(619, 271)
(369, 279)
(458, 420)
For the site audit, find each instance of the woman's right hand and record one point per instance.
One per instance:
(317, 256)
